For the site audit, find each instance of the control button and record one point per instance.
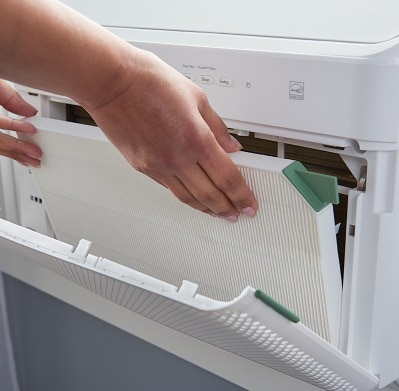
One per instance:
(206, 79)
(224, 81)
(189, 76)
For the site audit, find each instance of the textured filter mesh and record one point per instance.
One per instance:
(288, 250)
(245, 326)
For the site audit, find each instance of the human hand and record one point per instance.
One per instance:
(160, 121)
(24, 152)
(164, 126)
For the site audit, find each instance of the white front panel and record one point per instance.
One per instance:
(347, 95)
(245, 326)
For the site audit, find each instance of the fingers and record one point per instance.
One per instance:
(222, 192)
(226, 192)
(231, 182)
(13, 102)
(8, 123)
(180, 191)
(205, 178)
(25, 153)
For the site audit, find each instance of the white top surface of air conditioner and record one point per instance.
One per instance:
(369, 21)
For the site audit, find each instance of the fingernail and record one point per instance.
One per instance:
(30, 164)
(35, 155)
(230, 219)
(34, 162)
(236, 142)
(34, 112)
(249, 211)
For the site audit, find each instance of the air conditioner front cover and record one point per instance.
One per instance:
(245, 326)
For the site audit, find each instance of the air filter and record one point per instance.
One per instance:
(288, 250)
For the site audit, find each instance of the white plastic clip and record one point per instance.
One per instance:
(188, 289)
(244, 133)
(83, 248)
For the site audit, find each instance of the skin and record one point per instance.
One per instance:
(159, 120)
(25, 153)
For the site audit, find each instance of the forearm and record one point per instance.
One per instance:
(159, 120)
(44, 42)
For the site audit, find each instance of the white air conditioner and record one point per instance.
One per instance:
(306, 288)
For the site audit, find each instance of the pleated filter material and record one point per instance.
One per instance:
(288, 250)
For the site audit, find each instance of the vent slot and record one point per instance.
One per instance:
(35, 199)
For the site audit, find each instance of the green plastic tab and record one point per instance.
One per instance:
(318, 189)
(276, 306)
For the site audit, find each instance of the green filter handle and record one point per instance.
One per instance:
(276, 306)
(318, 189)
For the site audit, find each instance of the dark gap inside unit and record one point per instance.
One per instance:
(325, 162)
(257, 145)
(314, 160)
(79, 115)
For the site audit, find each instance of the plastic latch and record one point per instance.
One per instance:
(188, 289)
(83, 248)
(318, 189)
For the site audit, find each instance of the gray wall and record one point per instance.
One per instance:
(8, 380)
(7, 368)
(60, 348)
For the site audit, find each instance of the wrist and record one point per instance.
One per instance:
(108, 81)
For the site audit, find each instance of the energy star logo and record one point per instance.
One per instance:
(297, 90)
